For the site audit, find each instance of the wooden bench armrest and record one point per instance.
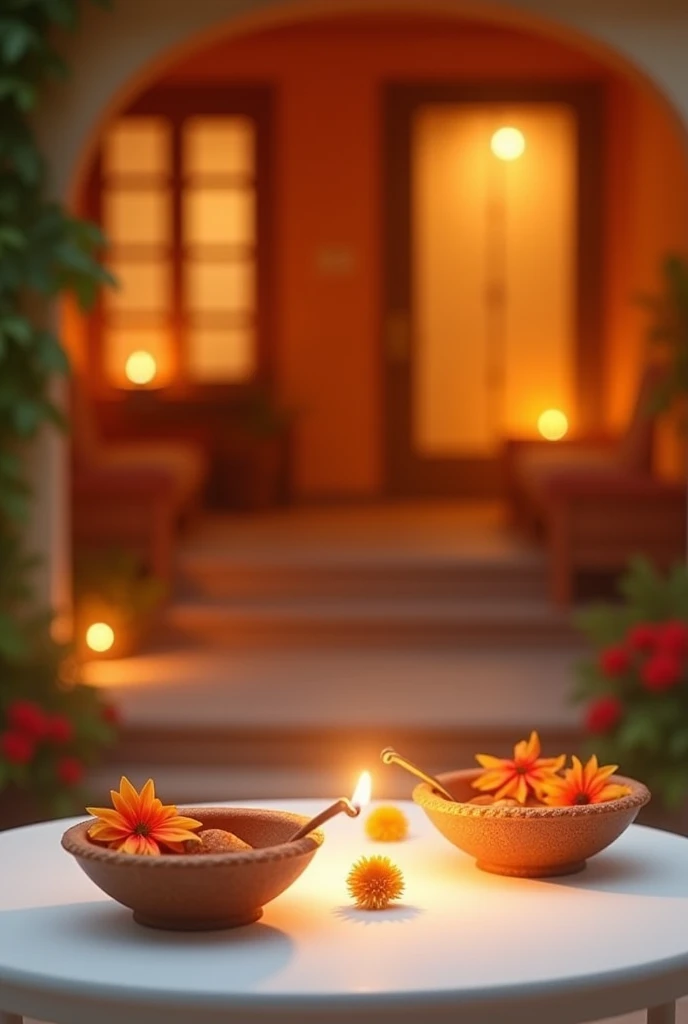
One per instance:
(117, 482)
(567, 486)
(595, 521)
(599, 440)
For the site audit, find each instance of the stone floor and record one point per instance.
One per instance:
(397, 531)
(404, 620)
(340, 706)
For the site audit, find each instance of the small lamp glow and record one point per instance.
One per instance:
(140, 368)
(553, 424)
(100, 637)
(352, 808)
(508, 143)
(363, 791)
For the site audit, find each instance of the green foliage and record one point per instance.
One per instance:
(43, 252)
(669, 328)
(259, 416)
(116, 580)
(639, 664)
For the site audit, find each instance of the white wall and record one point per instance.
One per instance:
(116, 51)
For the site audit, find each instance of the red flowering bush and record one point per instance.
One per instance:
(52, 728)
(635, 683)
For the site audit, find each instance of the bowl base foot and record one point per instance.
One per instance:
(201, 925)
(532, 872)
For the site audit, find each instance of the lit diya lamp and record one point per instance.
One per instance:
(352, 808)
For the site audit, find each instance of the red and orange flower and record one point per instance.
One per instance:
(518, 777)
(139, 823)
(582, 784)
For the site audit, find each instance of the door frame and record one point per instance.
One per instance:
(405, 473)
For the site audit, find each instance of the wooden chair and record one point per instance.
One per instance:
(597, 499)
(132, 495)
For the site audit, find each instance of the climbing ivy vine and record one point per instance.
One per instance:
(44, 252)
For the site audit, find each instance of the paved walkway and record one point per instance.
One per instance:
(466, 688)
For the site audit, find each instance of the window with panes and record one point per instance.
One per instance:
(180, 189)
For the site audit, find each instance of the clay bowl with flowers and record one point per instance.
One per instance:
(190, 869)
(531, 817)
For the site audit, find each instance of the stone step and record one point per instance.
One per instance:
(403, 621)
(326, 749)
(205, 764)
(248, 724)
(214, 576)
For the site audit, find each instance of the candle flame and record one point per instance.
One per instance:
(363, 790)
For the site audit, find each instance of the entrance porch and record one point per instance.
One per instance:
(298, 644)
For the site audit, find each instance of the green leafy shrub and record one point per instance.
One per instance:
(112, 587)
(51, 726)
(635, 684)
(668, 328)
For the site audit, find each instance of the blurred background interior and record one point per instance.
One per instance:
(366, 418)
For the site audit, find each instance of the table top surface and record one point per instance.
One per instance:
(460, 936)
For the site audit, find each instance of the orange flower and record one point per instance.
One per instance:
(521, 776)
(139, 823)
(582, 785)
(374, 882)
(387, 825)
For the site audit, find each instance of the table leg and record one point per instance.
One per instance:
(655, 1015)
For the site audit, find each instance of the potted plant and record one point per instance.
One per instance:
(635, 685)
(112, 588)
(256, 471)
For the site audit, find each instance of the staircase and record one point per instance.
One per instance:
(227, 602)
(283, 664)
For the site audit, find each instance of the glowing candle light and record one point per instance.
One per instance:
(140, 368)
(352, 808)
(363, 791)
(553, 424)
(100, 637)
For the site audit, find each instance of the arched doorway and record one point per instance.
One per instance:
(362, 461)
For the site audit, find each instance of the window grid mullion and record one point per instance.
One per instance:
(177, 277)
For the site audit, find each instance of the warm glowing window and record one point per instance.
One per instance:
(219, 230)
(178, 200)
(136, 213)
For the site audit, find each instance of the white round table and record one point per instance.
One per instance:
(463, 946)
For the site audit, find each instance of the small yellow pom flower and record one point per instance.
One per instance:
(387, 825)
(374, 882)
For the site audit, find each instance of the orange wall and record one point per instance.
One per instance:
(328, 79)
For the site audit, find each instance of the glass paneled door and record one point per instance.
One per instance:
(491, 310)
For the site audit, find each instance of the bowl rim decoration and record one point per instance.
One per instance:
(425, 797)
(75, 840)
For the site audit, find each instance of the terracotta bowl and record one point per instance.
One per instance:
(527, 842)
(203, 892)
